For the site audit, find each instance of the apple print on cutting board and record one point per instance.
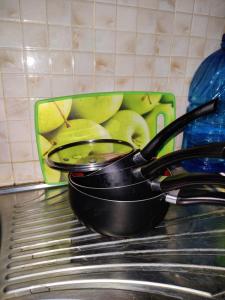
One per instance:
(131, 117)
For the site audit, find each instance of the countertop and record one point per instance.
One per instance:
(47, 254)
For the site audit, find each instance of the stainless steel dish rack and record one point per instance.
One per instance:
(47, 254)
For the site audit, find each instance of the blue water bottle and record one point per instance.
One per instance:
(208, 83)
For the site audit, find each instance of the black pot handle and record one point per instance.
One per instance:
(195, 196)
(173, 129)
(166, 184)
(156, 167)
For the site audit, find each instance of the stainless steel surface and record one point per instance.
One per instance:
(26, 188)
(47, 254)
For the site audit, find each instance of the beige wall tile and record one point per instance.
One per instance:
(33, 10)
(217, 8)
(164, 22)
(3, 131)
(192, 65)
(62, 85)
(11, 61)
(196, 47)
(145, 44)
(17, 108)
(144, 65)
(105, 16)
(148, 3)
(84, 63)
(105, 41)
(14, 85)
(175, 85)
(37, 61)
(82, 13)
(199, 26)
(104, 63)
(180, 46)
(11, 34)
(161, 66)
(107, 1)
(163, 45)
(146, 20)
(202, 7)
(61, 62)
(35, 35)
(60, 37)
(182, 24)
(1, 87)
(126, 18)
(159, 84)
(19, 131)
(9, 10)
(128, 2)
(59, 12)
(177, 67)
(21, 151)
(82, 39)
(83, 84)
(123, 83)
(185, 6)
(24, 172)
(142, 83)
(125, 65)
(211, 45)
(215, 27)
(126, 42)
(5, 156)
(38, 172)
(167, 5)
(39, 86)
(104, 83)
(2, 110)
(6, 175)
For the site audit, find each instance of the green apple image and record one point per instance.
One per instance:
(98, 108)
(167, 111)
(51, 115)
(50, 174)
(141, 103)
(80, 130)
(127, 125)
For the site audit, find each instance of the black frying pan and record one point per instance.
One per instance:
(120, 215)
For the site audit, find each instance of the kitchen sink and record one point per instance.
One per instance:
(46, 253)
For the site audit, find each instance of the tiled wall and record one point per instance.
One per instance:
(61, 47)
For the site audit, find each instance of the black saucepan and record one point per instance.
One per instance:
(128, 157)
(131, 175)
(129, 214)
(143, 156)
(110, 210)
(120, 171)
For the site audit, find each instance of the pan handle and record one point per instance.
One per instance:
(195, 196)
(173, 129)
(166, 184)
(152, 169)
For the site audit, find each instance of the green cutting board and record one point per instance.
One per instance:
(130, 116)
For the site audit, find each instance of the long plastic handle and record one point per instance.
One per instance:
(195, 196)
(191, 180)
(151, 170)
(174, 128)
